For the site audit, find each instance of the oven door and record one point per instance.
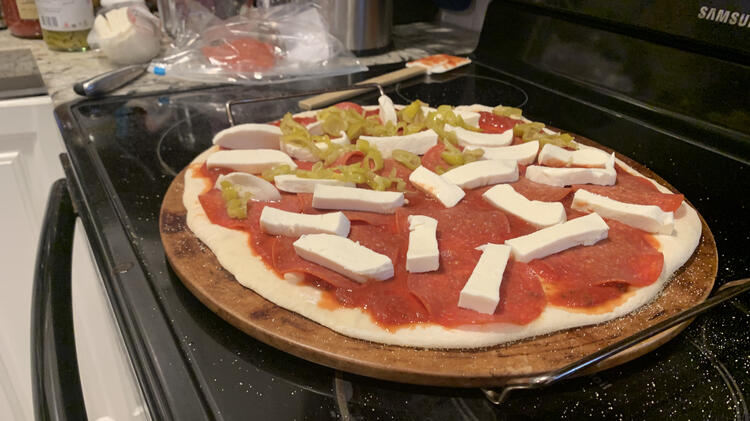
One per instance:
(80, 367)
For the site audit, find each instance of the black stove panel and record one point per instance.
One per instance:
(704, 373)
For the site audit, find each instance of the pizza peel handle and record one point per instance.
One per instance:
(726, 292)
(439, 63)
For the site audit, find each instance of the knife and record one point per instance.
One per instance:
(439, 63)
(109, 81)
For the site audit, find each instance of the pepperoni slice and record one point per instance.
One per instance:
(522, 298)
(491, 123)
(637, 190)
(538, 191)
(285, 259)
(432, 159)
(349, 106)
(626, 256)
(242, 54)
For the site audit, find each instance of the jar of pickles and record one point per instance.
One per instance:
(66, 23)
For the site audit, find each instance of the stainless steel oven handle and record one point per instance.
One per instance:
(56, 383)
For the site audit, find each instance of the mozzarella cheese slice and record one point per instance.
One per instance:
(423, 254)
(470, 117)
(537, 213)
(523, 153)
(293, 184)
(249, 136)
(416, 143)
(260, 190)
(252, 161)
(387, 110)
(352, 198)
(302, 153)
(482, 173)
(649, 218)
(567, 176)
(469, 138)
(586, 230)
(476, 108)
(315, 128)
(436, 186)
(344, 256)
(481, 292)
(290, 224)
(555, 156)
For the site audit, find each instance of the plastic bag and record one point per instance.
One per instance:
(126, 35)
(276, 44)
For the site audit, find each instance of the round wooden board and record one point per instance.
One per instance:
(201, 273)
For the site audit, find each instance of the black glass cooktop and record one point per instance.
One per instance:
(192, 364)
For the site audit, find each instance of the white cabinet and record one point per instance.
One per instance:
(30, 144)
(27, 168)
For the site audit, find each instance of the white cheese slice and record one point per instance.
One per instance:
(423, 254)
(293, 184)
(436, 186)
(482, 173)
(476, 108)
(252, 161)
(416, 143)
(537, 213)
(344, 256)
(555, 156)
(387, 110)
(523, 153)
(302, 153)
(291, 224)
(649, 218)
(315, 128)
(249, 136)
(470, 117)
(481, 292)
(352, 198)
(260, 190)
(469, 138)
(586, 230)
(567, 176)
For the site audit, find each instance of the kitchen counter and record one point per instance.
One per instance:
(60, 70)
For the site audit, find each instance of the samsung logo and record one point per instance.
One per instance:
(724, 16)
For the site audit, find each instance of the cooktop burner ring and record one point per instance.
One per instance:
(475, 89)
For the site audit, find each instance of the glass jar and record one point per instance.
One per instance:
(66, 23)
(22, 18)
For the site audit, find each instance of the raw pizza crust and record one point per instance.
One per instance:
(232, 251)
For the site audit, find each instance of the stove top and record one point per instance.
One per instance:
(125, 151)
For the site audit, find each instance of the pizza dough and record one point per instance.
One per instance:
(232, 251)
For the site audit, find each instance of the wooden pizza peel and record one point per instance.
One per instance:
(200, 272)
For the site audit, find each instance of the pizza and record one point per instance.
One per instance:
(448, 227)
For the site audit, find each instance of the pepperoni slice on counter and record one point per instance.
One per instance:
(637, 190)
(242, 54)
(626, 256)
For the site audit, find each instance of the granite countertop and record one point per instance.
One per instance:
(60, 70)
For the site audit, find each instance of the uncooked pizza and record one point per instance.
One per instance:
(447, 227)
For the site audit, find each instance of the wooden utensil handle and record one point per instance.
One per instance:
(386, 79)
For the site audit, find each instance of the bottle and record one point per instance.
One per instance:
(21, 18)
(66, 23)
